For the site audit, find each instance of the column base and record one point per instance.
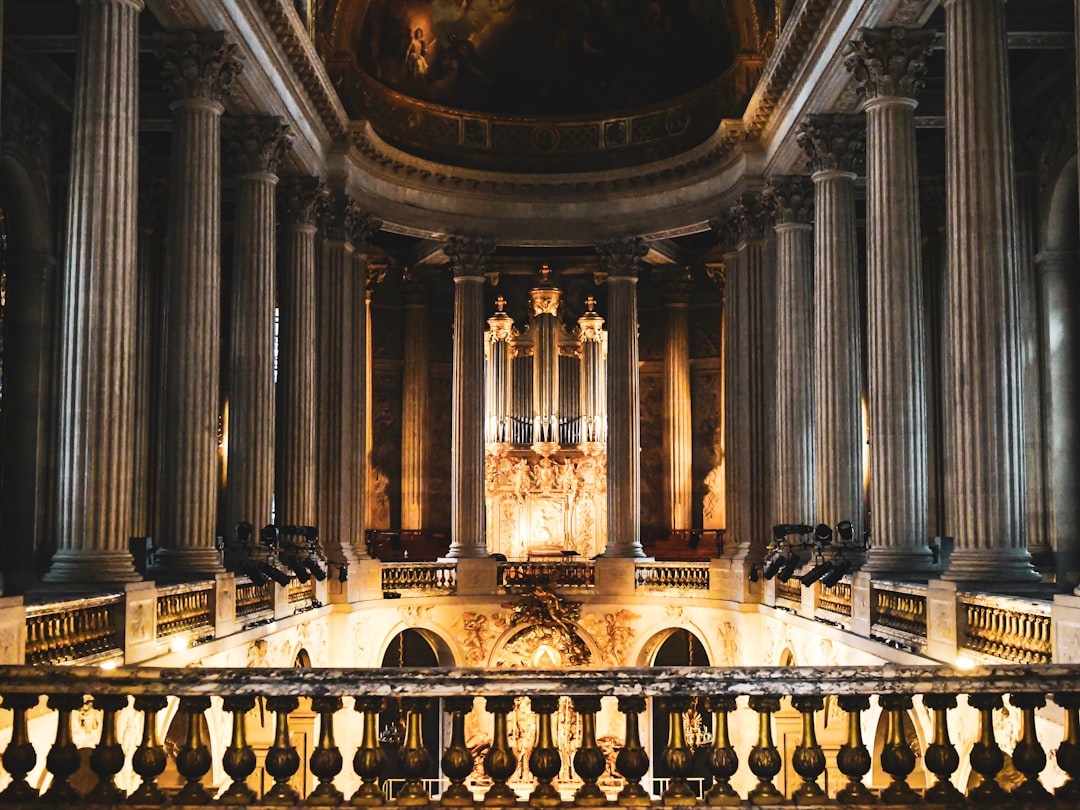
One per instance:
(631, 551)
(185, 563)
(459, 550)
(902, 562)
(91, 567)
(985, 566)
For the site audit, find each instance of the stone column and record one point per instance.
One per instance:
(622, 260)
(791, 201)
(887, 66)
(982, 380)
(758, 268)
(835, 144)
(198, 68)
(736, 372)
(255, 148)
(368, 275)
(414, 405)
(678, 424)
(97, 326)
(302, 200)
(468, 257)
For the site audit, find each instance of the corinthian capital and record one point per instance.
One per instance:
(198, 65)
(346, 221)
(835, 142)
(752, 217)
(889, 62)
(468, 255)
(303, 200)
(790, 199)
(622, 257)
(255, 144)
(726, 227)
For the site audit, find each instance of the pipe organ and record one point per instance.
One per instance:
(546, 430)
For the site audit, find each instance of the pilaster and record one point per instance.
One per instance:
(468, 258)
(199, 68)
(97, 324)
(678, 421)
(414, 404)
(887, 66)
(622, 260)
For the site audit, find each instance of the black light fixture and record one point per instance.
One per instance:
(845, 530)
(274, 573)
(755, 573)
(817, 572)
(316, 570)
(822, 534)
(834, 576)
(773, 565)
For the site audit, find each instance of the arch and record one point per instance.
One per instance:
(509, 635)
(444, 655)
(301, 660)
(644, 654)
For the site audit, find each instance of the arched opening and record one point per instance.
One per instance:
(409, 649)
(681, 649)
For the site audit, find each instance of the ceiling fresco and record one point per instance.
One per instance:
(546, 57)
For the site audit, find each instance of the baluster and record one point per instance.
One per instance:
(282, 760)
(326, 761)
(853, 759)
(986, 758)
(107, 759)
(941, 757)
(413, 757)
(62, 760)
(632, 761)
(764, 760)
(149, 759)
(500, 762)
(677, 757)
(723, 761)
(19, 757)
(545, 762)
(239, 758)
(1068, 753)
(589, 760)
(1028, 755)
(897, 758)
(369, 761)
(808, 759)
(457, 761)
(193, 760)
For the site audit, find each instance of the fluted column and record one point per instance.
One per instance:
(736, 373)
(97, 337)
(835, 144)
(302, 200)
(369, 275)
(622, 260)
(982, 381)
(254, 148)
(198, 68)
(468, 257)
(791, 201)
(887, 66)
(758, 268)
(678, 424)
(414, 405)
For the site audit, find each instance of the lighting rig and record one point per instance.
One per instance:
(827, 547)
(278, 551)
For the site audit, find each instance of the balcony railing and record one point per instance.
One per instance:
(75, 630)
(1013, 629)
(184, 608)
(72, 694)
(558, 574)
(426, 578)
(686, 576)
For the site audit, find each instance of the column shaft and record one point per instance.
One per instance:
(97, 340)
(467, 258)
(982, 395)
(736, 414)
(679, 424)
(414, 408)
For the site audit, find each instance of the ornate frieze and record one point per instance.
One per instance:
(254, 144)
(198, 65)
(889, 62)
(834, 142)
(790, 199)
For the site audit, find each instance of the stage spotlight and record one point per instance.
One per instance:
(772, 565)
(256, 576)
(695, 540)
(789, 568)
(343, 572)
(244, 531)
(755, 573)
(782, 530)
(316, 570)
(816, 573)
(834, 576)
(269, 535)
(845, 530)
(822, 534)
(276, 574)
(298, 568)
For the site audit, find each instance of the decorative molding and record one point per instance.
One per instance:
(198, 64)
(889, 62)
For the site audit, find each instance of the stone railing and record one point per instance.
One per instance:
(1009, 628)
(898, 613)
(185, 608)
(556, 574)
(254, 601)
(424, 577)
(687, 576)
(81, 630)
(337, 697)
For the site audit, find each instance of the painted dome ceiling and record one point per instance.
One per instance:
(558, 84)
